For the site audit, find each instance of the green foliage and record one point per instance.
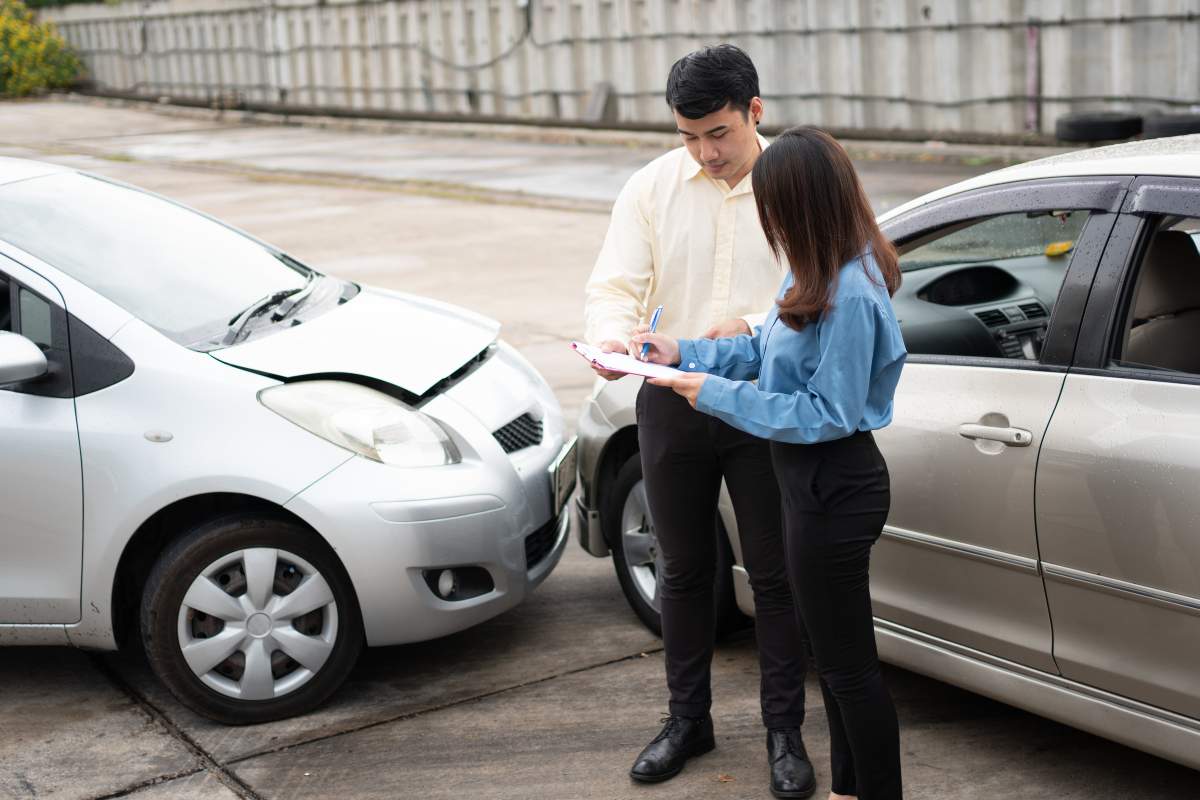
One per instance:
(44, 3)
(32, 56)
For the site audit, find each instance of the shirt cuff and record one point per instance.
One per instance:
(688, 362)
(711, 392)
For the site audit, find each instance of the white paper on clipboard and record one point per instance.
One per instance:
(619, 362)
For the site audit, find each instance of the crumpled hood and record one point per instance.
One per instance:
(408, 341)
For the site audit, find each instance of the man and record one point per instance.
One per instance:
(685, 234)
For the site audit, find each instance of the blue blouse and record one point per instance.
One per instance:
(835, 377)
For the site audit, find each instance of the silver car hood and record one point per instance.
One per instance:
(407, 341)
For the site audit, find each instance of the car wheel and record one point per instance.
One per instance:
(637, 559)
(250, 619)
(1097, 126)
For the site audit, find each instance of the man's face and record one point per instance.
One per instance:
(724, 143)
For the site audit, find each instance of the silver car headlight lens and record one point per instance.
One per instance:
(364, 421)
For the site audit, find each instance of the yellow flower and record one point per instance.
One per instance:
(32, 56)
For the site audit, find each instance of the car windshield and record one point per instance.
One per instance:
(177, 270)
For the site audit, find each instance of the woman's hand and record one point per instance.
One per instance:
(663, 349)
(687, 385)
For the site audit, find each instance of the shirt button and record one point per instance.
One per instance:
(692, 365)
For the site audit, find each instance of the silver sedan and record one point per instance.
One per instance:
(245, 466)
(1043, 546)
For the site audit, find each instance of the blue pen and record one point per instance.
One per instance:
(653, 327)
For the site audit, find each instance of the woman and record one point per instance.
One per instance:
(827, 360)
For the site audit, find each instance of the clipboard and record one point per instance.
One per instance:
(620, 362)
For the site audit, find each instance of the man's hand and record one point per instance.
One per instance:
(730, 327)
(610, 346)
(686, 385)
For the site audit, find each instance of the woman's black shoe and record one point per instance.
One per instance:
(680, 739)
(791, 771)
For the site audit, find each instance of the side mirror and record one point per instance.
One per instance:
(20, 359)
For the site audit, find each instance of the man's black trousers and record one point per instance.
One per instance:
(684, 456)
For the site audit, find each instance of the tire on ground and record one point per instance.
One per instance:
(727, 615)
(179, 565)
(1097, 126)
(1159, 125)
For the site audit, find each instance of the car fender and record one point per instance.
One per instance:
(181, 425)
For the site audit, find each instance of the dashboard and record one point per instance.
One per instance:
(997, 309)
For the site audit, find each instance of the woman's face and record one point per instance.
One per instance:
(724, 143)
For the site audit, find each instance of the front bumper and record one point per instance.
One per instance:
(587, 527)
(393, 529)
(595, 430)
(387, 549)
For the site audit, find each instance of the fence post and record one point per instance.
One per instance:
(1033, 76)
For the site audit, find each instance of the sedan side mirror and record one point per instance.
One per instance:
(20, 359)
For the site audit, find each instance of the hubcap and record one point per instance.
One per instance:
(257, 624)
(640, 545)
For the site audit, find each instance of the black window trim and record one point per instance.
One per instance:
(1149, 197)
(8, 286)
(1103, 196)
(58, 382)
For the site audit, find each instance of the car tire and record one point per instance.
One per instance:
(1157, 126)
(626, 509)
(208, 592)
(1097, 126)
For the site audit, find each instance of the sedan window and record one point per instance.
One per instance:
(36, 324)
(1162, 314)
(999, 238)
(986, 287)
(177, 270)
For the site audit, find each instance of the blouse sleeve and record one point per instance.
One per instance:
(736, 357)
(831, 404)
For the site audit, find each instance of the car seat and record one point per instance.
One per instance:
(1165, 329)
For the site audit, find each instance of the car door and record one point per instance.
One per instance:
(1118, 494)
(41, 490)
(993, 290)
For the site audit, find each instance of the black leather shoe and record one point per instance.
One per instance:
(791, 771)
(680, 739)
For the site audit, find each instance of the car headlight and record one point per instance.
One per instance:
(364, 421)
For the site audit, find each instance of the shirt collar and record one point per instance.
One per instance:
(693, 169)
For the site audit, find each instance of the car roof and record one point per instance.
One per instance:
(19, 169)
(1176, 155)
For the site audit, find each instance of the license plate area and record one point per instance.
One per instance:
(562, 474)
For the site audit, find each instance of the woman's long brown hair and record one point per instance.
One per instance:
(816, 217)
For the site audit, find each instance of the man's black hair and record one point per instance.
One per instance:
(711, 78)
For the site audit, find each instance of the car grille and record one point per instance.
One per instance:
(522, 432)
(539, 543)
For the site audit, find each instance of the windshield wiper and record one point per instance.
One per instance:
(238, 324)
(289, 303)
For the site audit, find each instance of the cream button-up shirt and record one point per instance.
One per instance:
(688, 242)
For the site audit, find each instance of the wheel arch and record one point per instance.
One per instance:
(166, 525)
(617, 450)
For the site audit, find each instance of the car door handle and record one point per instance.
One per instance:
(1013, 437)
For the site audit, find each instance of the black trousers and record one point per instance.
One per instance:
(836, 497)
(684, 456)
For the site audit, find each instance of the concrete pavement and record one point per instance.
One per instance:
(553, 699)
(583, 171)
